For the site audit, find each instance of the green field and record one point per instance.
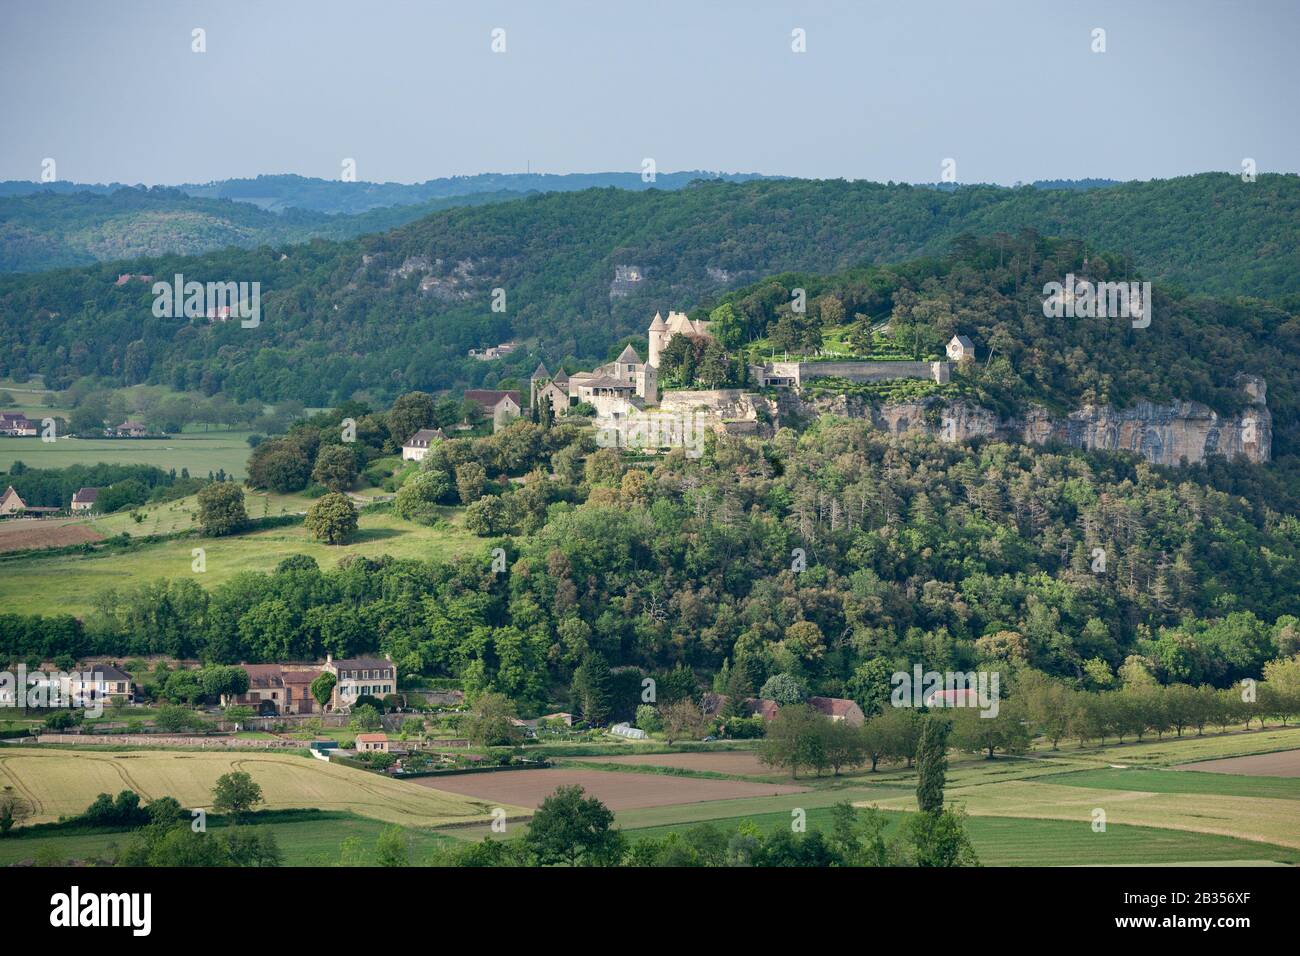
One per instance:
(1007, 841)
(314, 842)
(68, 583)
(200, 452)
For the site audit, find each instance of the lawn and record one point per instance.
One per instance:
(68, 583)
(200, 452)
(63, 782)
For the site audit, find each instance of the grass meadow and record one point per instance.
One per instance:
(68, 583)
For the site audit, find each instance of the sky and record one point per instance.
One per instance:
(410, 90)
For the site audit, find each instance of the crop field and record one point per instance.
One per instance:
(1285, 763)
(64, 782)
(200, 452)
(17, 534)
(1066, 785)
(618, 791)
(1191, 781)
(740, 763)
(68, 583)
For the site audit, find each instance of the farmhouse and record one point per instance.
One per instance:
(11, 503)
(417, 446)
(277, 689)
(361, 676)
(767, 709)
(838, 709)
(130, 429)
(501, 407)
(84, 499)
(17, 425)
(100, 682)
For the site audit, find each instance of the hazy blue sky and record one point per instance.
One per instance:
(412, 90)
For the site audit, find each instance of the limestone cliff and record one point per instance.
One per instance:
(1174, 433)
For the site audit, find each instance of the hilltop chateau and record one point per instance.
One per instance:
(628, 404)
(616, 388)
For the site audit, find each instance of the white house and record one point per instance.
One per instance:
(417, 446)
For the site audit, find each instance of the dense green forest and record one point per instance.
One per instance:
(915, 550)
(991, 291)
(387, 313)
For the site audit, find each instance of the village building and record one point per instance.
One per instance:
(11, 503)
(417, 446)
(370, 743)
(361, 677)
(545, 387)
(130, 429)
(84, 499)
(500, 407)
(838, 709)
(960, 347)
(277, 689)
(103, 682)
(762, 707)
(17, 425)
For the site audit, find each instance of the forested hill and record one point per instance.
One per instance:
(398, 311)
(56, 229)
(55, 225)
(335, 196)
(991, 290)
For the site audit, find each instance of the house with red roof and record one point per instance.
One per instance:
(838, 708)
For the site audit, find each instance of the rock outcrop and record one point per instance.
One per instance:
(1175, 433)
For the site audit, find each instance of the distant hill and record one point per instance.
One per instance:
(394, 311)
(55, 229)
(333, 196)
(53, 225)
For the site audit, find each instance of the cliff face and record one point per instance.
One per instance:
(1175, 433)
(1163, 434)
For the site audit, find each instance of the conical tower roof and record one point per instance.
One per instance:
(658, 324)
(628, 355)
(561, 377)
(541, 372)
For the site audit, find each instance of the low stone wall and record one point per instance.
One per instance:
(802, 372)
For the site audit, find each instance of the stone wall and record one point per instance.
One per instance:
(801, 372)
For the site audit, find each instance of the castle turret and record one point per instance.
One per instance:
(540, 377)
(658, 330)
